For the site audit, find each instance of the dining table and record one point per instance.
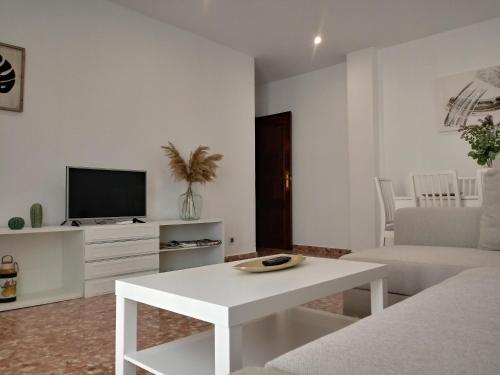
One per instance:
(408, 201)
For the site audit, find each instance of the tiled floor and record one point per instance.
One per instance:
(77, 337)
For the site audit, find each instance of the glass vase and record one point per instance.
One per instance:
(190, 205)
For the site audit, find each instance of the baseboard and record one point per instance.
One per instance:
(232, 258)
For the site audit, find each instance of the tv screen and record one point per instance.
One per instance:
(104, 193)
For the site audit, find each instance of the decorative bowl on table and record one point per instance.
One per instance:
(256, 265)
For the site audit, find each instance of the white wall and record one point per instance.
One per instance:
(107, 87)
(409, 138)
(319, 152)
(363, 146)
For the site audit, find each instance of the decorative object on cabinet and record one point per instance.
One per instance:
(258, 265)
(16, 223)
(11, 77)
(200, 168)
(36, 215)
(484, 140)
(8, 279)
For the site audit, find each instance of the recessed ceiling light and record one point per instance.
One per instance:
(317, 40)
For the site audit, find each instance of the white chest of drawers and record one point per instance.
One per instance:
(114, 252)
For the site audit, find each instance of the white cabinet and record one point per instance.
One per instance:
(117, 249)
(181, 258)
(58, 263)
(120, 266)
(50, 264)
(113, 252)
(105, 285)
(117, 232)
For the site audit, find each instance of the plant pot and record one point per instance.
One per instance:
(190, 205)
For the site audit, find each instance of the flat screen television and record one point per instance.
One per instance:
(93, 193)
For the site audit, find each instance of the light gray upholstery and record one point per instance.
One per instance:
(259, 371)
(432, 244)
(455, 227)
(489, 238)
(415, 268)
(451, 328)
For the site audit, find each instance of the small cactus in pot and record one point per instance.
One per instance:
(16, 223)
(36, 215)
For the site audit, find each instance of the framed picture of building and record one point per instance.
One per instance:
(11, 77)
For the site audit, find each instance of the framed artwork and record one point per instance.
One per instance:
(466, 97)
(11, 77)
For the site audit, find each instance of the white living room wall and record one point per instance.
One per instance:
(409, 139)
(106, 87)
(363, 150)
(319, 152)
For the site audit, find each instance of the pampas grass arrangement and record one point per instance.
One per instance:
(201, 168)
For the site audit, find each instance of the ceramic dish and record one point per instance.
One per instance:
(255, 265)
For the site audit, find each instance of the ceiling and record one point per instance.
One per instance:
(279, 33)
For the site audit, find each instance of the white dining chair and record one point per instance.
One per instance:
(435, 189)
(468, 186)
(385, 193)
(480, 184)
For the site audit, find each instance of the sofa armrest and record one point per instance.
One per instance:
(451, 227)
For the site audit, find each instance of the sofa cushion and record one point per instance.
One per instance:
(489, 232)
(415, 268)
(451, 328)
(259, 371)
(451, 227)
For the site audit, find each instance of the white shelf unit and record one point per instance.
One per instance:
(50, 261)
(59, 263)
(181, 258)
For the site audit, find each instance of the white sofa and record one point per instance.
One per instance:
(449, 325)
(431, 245)
(450, 328)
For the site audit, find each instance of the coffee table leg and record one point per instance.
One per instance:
(378, 293)
(126, 334)
(228, 349)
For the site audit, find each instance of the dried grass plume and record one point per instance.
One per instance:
(200, 168)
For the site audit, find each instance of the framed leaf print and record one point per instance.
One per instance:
(11, 77)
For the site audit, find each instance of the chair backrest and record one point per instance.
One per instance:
(468, 186)
(435, 189)
(385, 192)
(480, 183)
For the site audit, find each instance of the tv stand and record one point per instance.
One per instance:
(137, 221)
(85, 261)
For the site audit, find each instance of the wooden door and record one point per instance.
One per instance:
(273, 181)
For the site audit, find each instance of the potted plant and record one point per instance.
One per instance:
(484, 140)
(200, 168)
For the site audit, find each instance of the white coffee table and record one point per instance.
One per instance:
(241, 307)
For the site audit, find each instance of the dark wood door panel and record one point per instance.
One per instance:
(273, 181)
